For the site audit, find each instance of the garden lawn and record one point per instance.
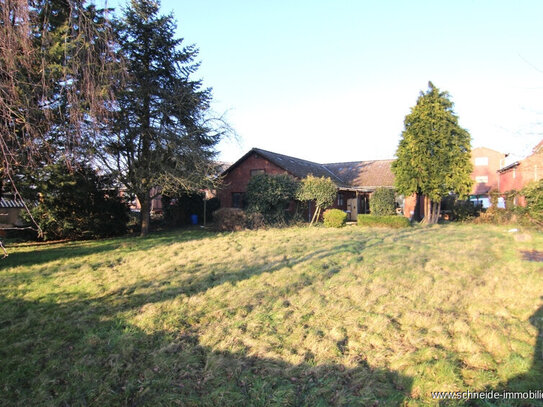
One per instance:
(279, 317)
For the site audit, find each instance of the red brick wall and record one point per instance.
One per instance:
(410, 203)
(530, 169)
(495, 161)
(238, 178)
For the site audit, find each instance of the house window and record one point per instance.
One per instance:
(257, 172)
(481, 179)
(481, 161)
(340, 199)
(237, 200)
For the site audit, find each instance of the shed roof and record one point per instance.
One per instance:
(11, 203)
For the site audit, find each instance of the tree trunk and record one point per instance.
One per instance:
(426, 214)
(315, 215)
(438, 211)
(145, 213)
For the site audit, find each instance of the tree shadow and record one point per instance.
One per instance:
(78, 353)
(523, 384)
(35, 254)
(532, 380)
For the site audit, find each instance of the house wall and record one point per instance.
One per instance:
(237, 179)
(409, 205)
(495, 160)
(528, 170)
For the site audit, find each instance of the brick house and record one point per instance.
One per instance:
(517, 175)
(486, 163)
(355, 180)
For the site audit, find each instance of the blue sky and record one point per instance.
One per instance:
(332, 81)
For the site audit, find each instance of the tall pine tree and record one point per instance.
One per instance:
(164, 138)
(433, 157)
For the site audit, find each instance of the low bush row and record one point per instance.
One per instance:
(391, 221)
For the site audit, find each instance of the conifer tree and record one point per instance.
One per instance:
(164, 139)
(433, 157)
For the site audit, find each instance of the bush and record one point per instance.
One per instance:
(501, 216)
(509, 198)
(255, 220)
(230, 219)
(391, 221)
(75, 204)
(382, 202)
(270, 195)
(533, 193)
(465, 210)
(334, 218)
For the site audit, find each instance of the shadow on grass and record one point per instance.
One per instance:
(523, 390)
(81, 351)
(29, 255)
(78, 354)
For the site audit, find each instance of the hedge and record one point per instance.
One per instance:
(334, 218)
(382, 202)
(392, 221)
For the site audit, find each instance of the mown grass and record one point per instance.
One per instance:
(280, 317)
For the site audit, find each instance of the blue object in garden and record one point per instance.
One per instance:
(194, 219)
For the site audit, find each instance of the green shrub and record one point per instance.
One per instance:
(465, 210)
(509, 198)
(533, 193)
(75, 203)
(391, 221)
(382, 202)
(270, 196)
(494, 197)
(334, 218)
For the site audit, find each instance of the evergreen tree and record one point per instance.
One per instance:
(433, 157)
(74, 203)
(163, 140)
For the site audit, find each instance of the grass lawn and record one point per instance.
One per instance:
(280, 317)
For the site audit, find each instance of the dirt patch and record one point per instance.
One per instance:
(532, 255)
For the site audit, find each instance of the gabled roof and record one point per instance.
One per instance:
(298, 167)
(348, 175)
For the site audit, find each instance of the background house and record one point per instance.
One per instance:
(355, 180)
(486, 163)
(518, 174)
